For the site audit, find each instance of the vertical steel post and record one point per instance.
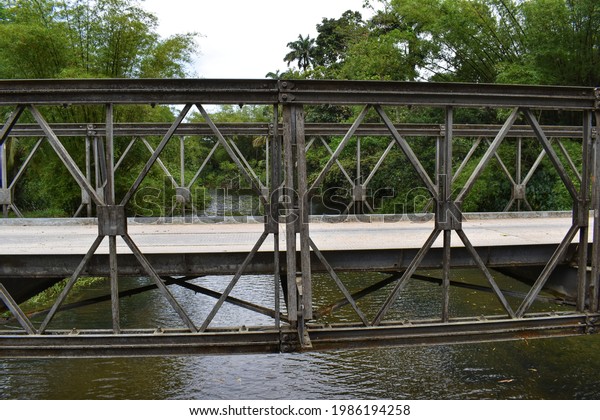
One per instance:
(595, 276)
(110, 201)
(298, 211)
(445, 196)
(358, 185)
(88, 173)
(182, 160)
(97, 171)
(4, 184)
(273, 182)
(304, 212)
(291, 213)
(519, 162)
(582, 212)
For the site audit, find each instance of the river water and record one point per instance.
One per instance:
(557, 368)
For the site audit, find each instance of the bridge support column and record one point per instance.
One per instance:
(581, 214)
(272, 207)
(448, 216)
(595, 275)
(5, 195)
(296, 200)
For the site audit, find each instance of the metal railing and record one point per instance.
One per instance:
(285, 196)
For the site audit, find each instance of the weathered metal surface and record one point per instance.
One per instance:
(445, 241)
(60, 265)
(458, 331)
(311, 129)
(331, 337)
(435, 94)
(136, 91)
(174, 91)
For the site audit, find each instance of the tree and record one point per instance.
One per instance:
(505, 41)
(335, 36)
(302, 51)
(83, 39)
(88, 38)
(562, 43)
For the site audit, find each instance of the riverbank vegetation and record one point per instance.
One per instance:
(553, 42)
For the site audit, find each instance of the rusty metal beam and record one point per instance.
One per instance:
(312, 129)
(169, 264)
(335, 92)
(237, 340)
(137, 91)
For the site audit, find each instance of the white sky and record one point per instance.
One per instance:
(245, 39)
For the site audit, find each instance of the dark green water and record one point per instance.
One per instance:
(558, 368)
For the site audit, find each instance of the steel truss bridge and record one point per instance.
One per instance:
(288, 244)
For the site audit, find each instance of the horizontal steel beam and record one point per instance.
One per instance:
(331, 92)
(185, 264)
(311, 129)
(70, 344)
(336, 92)
(137, 91)
(454, 332)
(269, 340)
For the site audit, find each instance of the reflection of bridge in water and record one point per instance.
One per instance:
(286, 243)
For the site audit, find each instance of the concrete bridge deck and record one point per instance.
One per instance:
(31, 249)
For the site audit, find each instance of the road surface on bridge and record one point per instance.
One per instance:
(57, 238)
(36, 249)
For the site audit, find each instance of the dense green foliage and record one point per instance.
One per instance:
(491, 41)
(483, 41)
(84, 39)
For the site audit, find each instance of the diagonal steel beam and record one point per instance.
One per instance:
(10, 123)
(548, 269)
(339, 164)
(408, 152)
(254, 182)
(379, 163)
(159, 283)
(26, 163)
(197, 174)
(233, 282)
(358, 295)
(465, 240)
(412, 267)
(534, 167)
(488, 154)
(466, 159)
(539, 132)
(63, 295)
(64, 156)
(156, 154)
(160, 162)
(16, 311)
(233, 300)
(567, 156)
(246, 164)
(340, 284)
(504, 168)
(334, 158)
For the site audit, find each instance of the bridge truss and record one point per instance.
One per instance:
(285, 193)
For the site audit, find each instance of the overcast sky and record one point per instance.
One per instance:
(245, 39)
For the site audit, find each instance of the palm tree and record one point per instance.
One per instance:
(302, 50)
(274, 75)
